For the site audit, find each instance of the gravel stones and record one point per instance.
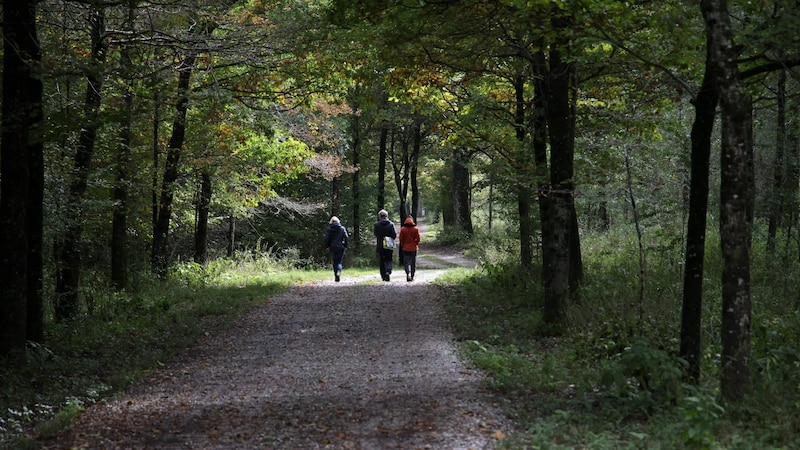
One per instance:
(358, 364)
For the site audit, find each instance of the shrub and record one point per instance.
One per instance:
(645, 374)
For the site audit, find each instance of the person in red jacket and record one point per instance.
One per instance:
(409, 245)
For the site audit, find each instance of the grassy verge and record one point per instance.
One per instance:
(80, 361)
(613, 381)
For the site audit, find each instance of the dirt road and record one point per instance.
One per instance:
(360, 364)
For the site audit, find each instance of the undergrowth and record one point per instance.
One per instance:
(614, 379)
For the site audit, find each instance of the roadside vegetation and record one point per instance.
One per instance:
(613, 381)
(124, 337)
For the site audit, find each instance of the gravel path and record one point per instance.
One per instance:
(360, 364)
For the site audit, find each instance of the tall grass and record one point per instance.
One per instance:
(615, 379)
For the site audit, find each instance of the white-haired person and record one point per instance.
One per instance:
(384, 228)
(336, 241)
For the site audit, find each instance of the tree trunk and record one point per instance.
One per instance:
(602, 213)
(400, 171)
(68, 243)
(414, 163)
(557, 225)
(523, 191)
(735, 199)
(792, 177)
(356, 183)
(539, 137)
(575, 254)
(201, 226)
(231, 235)
(19, 153)
(776, 200)
(524, 200)
(335, 195)
(462, 212)
(119, 221)
(159, 252)
(156, 153)
(35, 203)
(705, 105)
(447, 193)
(555, 256)
(382, 165)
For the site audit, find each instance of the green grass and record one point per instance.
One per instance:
(613, 381)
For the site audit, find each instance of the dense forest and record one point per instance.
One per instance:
(139, 137)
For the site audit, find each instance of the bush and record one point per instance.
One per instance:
(647, 376)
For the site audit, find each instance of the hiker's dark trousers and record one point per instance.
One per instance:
(385, 262)
(410, 262)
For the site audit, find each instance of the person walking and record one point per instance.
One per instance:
(409, 245)
(384, 228)
(336, 241)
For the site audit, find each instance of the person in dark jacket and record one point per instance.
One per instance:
(409, 245)
(384, 228)
(336, 241)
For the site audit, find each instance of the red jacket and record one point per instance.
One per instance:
(409, 236)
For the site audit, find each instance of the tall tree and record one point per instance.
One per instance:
(778, 196)
(525, 197)
(68, 243)
(201, 221)
(382, 153)
(413, 170)
(738, 186)
(159, 254)
(34, 330)
(20, 178)
(735, 198)
(355, 189)
(557, 226)
(119, 221)
(538, 120)
(404, 162)
(462, 209)
(705, 104)
(792, 175)
(763, 56)
(122, 185)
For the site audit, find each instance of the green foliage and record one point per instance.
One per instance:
(191, 274)
(647, 376)
(700, 413)
(614, 381)
(776, 343)
(449, 237)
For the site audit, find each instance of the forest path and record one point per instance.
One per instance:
(360, 364)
